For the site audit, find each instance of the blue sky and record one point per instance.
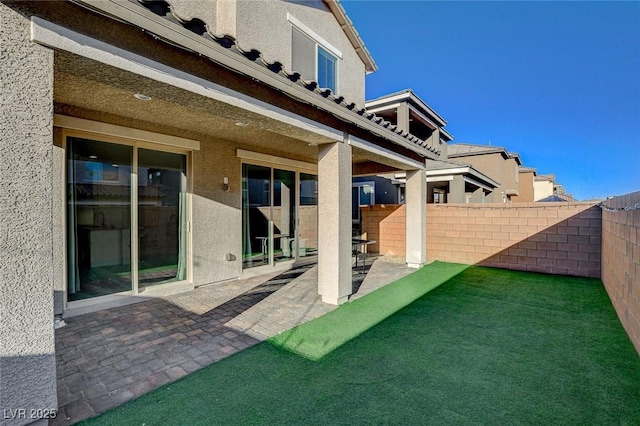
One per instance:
(557, 82)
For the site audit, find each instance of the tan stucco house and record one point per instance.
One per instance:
(495, 162)
(447, 181)
(153, 147)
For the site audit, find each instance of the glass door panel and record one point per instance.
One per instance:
(99, 218)
(162, 231)
(256, 216)
(308, 216)
(284, 215)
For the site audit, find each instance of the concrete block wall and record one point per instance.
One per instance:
(385, 224)
(621, 261)
(556, 238)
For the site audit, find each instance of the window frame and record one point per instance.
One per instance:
(318, 42)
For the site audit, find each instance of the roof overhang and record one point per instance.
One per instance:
(405, 96)
(64, 39)
(352, 34)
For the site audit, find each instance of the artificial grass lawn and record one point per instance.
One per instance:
(316, 339)
(486, 347)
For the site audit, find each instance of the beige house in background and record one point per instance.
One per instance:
(153, 147)
(496, 163)
(526, 181)
(543, 186)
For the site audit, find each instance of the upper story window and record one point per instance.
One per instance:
(313, 57)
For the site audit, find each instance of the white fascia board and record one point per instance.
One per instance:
(452, 171)
(446, 178)
(478, 184)
(61, 38)
(383, 108)
(396, 98)
(375, 149)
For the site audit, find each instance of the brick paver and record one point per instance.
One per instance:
(108, 357)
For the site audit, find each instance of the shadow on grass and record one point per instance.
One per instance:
(487, 347)
(318, 338)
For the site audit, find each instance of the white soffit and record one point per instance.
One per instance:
(61, 38)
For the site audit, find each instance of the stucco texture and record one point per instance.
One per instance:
(263, 25)
(27, 361)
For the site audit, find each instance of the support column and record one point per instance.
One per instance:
(334, 222)
(476, 197)
(27, 349)
(416, 218)
(402, 117)
(456, 190)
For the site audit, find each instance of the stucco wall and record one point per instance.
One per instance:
(621, 261)
(542, 189)
(216, 214)
(263, 25)
(494, 166)
(525, 186)
(27, 360)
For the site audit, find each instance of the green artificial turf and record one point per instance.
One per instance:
(486, 347)
(316, 339)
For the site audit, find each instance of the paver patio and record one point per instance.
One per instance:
(108, 357)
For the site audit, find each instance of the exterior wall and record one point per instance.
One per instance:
(525, 186)
(215, 213)
(27, 349)
(542, 237)
(386, 224)
(494, 166)
(542, 189)
(263, 25)
(512, 175)
(621, 261)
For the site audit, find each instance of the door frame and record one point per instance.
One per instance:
(137, 139)
(285, 164)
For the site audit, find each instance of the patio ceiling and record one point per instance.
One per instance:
(90, 89)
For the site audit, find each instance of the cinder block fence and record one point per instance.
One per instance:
(579, 239)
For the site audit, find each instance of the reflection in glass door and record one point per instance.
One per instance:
(102, 215)
(279, 215)
(162, 191)
(98, 218)
(256, 215)
(284, 214)
(308, 216)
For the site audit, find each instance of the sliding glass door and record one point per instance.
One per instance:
(106, 212)
(162, 191)
(279, 215)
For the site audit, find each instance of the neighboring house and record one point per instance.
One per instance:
(412, 115)
(526, 188)
(447, 181)
(153, 147)
(496, 163)
(543, 186)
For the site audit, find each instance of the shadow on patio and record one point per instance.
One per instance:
(108, 357)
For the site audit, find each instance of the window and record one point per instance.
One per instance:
(438, 195)
(314, 60)
(362, 194)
